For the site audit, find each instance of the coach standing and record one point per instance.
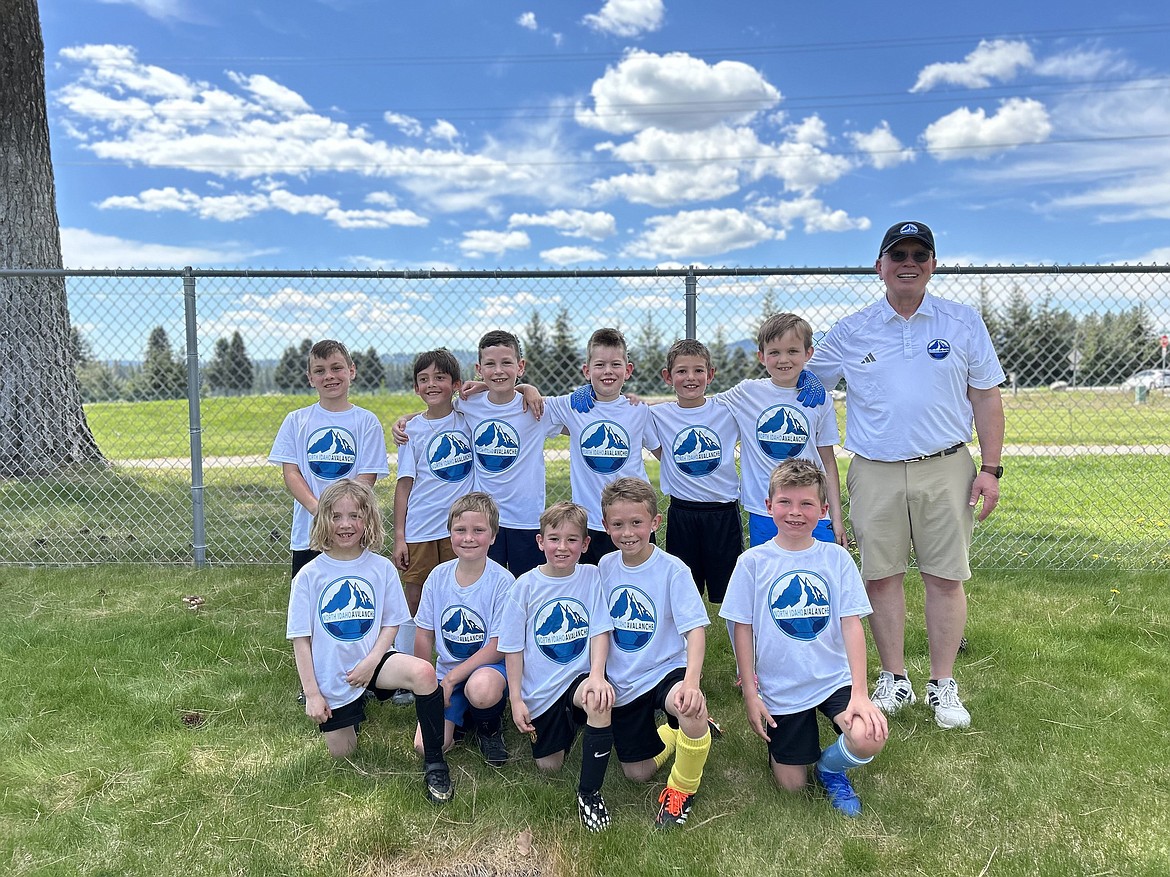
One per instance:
(919, 370)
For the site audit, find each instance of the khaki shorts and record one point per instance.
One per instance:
(892, 505)
(424, 557)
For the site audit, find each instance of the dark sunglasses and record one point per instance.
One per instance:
(919, 256)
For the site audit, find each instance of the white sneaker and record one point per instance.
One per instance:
(943, 698)
(890, 694)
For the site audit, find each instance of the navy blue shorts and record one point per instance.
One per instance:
(796, 738)
(354, 712)
(517, 550)
(557, 726)
(635, 732)
(708, 538)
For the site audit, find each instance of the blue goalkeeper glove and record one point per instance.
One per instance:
(583, 398)
(810, 392)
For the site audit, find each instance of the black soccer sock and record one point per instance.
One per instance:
(487, 721)
(595, 746)
(429, 708)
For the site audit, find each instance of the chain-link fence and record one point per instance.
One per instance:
(184, 475)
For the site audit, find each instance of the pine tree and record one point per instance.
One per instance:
(231, 370)
(564, 372)
(291, 374)
(720, 361)
(536, 351)
(161, 376)
(371, 374)
(649, 357)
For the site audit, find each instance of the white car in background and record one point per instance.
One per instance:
(1151, 379)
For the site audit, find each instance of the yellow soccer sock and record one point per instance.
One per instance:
(689, 760)
(668, 736)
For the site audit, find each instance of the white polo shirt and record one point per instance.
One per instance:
(908, 378)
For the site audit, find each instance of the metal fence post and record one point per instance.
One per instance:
(692, 303)
(198, 513)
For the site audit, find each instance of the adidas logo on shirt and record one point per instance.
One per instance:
(869, 357)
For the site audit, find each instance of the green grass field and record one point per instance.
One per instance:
(142, 738)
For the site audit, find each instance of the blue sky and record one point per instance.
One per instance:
(608, 133)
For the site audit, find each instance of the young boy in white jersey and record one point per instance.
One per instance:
(605, 443)
(797, 604)
(328, 440)
(656, 659)
(434, 470)
(555, 643)
(775, 426)
(508, 443)
(459, 618)
(698, 438)
(343, 613)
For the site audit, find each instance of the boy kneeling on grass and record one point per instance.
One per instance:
(343, 614)
(797, 605)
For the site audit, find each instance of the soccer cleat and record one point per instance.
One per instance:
(890, 694)
(715, 728)
(676, 807)
(492, 746)
(437, 777)
(943, 698)
(402, 697)
(301, 697)
(592, 810)
(838, 790)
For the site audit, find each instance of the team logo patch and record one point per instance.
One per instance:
(908, 228)
(463, 631)
(346, 608)
(449, 456)
(799, 602)
(332, 452)
(497, 445)
(605, 446)
(781, 431)
(562, 629)
(939, 348)
(634, 618)
(696, 451)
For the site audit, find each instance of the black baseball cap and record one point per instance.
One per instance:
(901, 231)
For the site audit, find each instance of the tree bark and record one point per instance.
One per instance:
(42, 423)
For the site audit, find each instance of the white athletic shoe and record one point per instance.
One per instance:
(890, 694)
(943, 698)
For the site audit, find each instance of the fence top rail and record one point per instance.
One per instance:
(581, 273)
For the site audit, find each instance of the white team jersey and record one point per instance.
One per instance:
(698, 451)
(794, 601)
(464, 619)
(508, 443)
(551, 620)
(342, 605)
(605, 444)
(907, 379)
(652, 606)
(327, 446)
(774, 427)
(438, 457)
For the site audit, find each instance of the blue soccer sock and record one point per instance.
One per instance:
(838, 759)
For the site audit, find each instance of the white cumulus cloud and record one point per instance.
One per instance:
(627, 18)
(990, 61)
(697, 233)
(483, 242)
(881, 148)
(969, 133)
(596, 225)
(527, 20)
(81, 248)
(571, 255)
(675, 92)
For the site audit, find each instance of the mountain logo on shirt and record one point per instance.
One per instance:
(696, 451)
(799, 602)
(605, 446)
(463, 631)
(332, 452)
(939, 348)
(346, 608)
(781, 431)
(497, 445)
(561, 629)
(634, 618)
(449, 456)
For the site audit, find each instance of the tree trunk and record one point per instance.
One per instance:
(42, 422)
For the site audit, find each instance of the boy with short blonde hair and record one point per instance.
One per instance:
(555, 643)
(656, 659)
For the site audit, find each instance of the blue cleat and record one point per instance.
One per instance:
(838, 790)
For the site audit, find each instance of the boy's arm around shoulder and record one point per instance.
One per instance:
(860, 708)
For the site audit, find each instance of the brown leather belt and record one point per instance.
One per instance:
(954, 449)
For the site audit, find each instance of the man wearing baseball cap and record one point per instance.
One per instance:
(919, 371)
